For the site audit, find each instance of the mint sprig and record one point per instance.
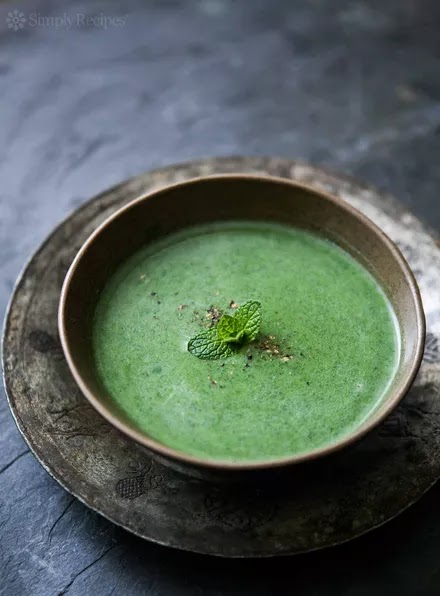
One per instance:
(230, 333)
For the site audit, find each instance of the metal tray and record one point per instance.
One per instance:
(318, 505)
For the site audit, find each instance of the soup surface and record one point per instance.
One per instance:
(327, 350)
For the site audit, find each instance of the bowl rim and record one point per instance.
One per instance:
(177, 455)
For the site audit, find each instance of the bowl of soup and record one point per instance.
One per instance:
(237, 322)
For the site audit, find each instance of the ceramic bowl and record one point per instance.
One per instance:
(233, 197)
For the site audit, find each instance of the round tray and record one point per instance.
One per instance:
(318, 505)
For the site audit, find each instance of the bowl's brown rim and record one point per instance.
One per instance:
(229, 465)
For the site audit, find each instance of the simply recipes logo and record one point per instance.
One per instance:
(17, 20)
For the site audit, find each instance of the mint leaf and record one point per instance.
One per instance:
(208, 346)
(248, 317)
(229, 329)
(230, 332)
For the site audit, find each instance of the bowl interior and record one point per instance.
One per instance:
(222, 198)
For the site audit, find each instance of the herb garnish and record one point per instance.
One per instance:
(230, 333)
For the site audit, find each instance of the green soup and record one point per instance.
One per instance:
(326, 353)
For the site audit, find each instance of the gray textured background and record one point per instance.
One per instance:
(352, 85)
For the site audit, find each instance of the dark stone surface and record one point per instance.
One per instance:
(351, 85)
